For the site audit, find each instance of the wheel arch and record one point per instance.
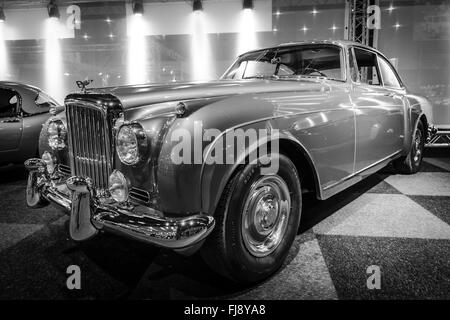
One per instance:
(421, 117)
(288, 146)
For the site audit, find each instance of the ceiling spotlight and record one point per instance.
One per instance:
(52, 9)
(197, 5)
(138, 7)
(2, 15)
(247, 4)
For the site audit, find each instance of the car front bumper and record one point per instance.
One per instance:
(90, 214)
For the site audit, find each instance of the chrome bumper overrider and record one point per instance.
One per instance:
(89, 214)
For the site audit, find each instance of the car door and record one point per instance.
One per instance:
(379, 110)
(10, 120)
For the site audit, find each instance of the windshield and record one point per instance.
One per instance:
(43, 100)
(322, 61)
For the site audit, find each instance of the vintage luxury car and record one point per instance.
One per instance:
(23, 110)
(340, 111)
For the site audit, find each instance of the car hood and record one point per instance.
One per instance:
(145, 95)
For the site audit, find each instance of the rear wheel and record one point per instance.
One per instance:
(256, 222)
(412, 162)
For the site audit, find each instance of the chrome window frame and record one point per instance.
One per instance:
(342, 59)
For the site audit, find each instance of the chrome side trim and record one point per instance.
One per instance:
(350, 179)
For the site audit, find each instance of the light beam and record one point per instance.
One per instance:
(247, 32)
(137, 50)
(4, 63)
(202, 68)
(53, 59)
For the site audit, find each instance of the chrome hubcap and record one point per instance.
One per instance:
(417, 152)
(266, 214)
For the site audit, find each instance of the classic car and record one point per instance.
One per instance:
(340, 110)
(23, 111)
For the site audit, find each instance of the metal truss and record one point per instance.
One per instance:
(356, 22)
(440, 138)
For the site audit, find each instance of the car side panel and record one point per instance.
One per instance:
(32, 126)
(380, 127)
(321, 119)
(10, 134)
(325, 132)
(329, 137)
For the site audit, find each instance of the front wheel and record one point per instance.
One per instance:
(413, 161)
(256, 222)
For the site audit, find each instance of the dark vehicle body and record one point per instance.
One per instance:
(23, 111)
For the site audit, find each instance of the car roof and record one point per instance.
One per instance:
(15, 85)
(341, 43)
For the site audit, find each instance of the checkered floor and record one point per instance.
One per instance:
(399, 223)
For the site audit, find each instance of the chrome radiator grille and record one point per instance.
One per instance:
(89, 143)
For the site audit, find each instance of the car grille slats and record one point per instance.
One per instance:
(89, 143)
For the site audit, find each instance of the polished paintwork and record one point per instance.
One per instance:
(19, 136)
(345, 130)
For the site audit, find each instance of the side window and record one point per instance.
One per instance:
(367, 67)
(9, 103)
(388, 74)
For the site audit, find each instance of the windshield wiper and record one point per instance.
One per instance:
(264, 77)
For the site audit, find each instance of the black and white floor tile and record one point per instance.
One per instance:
(399, 223)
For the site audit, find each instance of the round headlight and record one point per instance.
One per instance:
(56, 135)
(131, 143)
(118, 186)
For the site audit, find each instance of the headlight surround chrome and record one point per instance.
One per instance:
(57, 134)
(119, 186)
(131, 144)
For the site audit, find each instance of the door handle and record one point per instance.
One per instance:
(393, 95)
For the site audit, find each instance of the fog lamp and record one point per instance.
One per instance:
(48, 159)
(118, 186)
(56, 135)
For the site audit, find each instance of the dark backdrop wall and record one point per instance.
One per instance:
(415, 33)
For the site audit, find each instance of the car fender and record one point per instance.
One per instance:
(215, 178)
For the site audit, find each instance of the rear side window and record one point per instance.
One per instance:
(389, 77)
(9, 103)
(367, 67)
